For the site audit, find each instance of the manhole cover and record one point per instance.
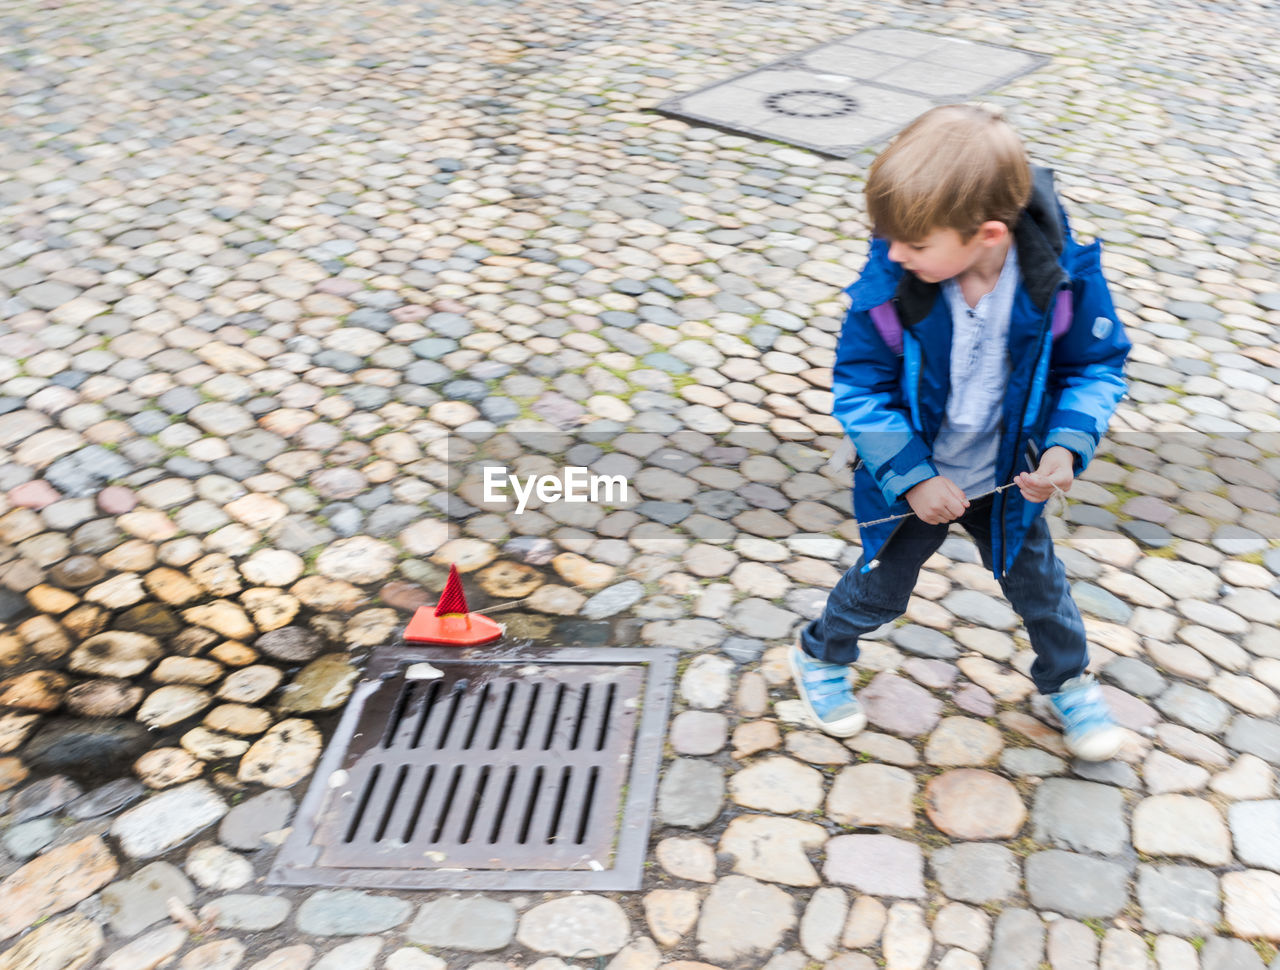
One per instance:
(853, 91)
(534, 770)
(811, 104)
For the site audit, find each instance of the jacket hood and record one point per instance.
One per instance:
(1039, 234)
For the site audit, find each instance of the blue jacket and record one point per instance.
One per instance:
(1065, 378)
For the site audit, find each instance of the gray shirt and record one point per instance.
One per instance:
(966, 446)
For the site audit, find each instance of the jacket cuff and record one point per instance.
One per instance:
(896, 486)
(1079, 443)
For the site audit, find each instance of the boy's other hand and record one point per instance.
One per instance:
(937, 500)
(1057, 470)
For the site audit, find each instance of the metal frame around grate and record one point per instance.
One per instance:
(515, 771)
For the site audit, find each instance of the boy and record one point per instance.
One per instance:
(977, 369)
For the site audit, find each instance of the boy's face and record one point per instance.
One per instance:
(943, 254)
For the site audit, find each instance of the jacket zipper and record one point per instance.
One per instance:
(1045, 325)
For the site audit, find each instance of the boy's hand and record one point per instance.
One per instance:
(1057, 468)
(937, 500)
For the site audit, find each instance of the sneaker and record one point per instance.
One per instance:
(826, 693)
(1087, 727)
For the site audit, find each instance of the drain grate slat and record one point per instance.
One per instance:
(491, 770)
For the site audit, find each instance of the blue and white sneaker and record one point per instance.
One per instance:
(1087, 727)
(826, 693)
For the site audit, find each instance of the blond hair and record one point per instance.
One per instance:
(955, 167)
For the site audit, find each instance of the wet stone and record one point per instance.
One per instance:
(291, 644)
(216, 868)
(106, 799)
(115, 654)
(283, 756)
(85, 749)
(322, 685)
(247, 824)
(133, 904)
(167, 819)
(66, 943)
(26, 839)
(43, 797)
(166, 767)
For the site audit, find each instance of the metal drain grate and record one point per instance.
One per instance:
(522, 771)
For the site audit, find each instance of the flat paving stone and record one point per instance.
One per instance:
(742, 918)
(976, 872)
(474, 924)
(575, 926)
(877, 864)
(350, 912)
(773, 849)
(1181, 825)
(1080, 815)
(969, 803)
(691, 793)
(1178, 899)
(1076, 885)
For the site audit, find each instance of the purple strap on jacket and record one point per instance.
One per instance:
(887, 324)
(885, 318)
(1061, 314)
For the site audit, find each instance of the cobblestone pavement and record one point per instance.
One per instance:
(258, 260)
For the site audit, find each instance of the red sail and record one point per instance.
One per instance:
(452, 600)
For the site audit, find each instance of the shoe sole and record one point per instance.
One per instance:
(1104, 747)
(846, 727)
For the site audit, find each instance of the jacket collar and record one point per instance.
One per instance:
(1039, 235)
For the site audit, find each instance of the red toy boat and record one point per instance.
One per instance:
(451, 623)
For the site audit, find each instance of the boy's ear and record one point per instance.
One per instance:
(992, 232)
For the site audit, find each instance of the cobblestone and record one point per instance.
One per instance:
(242, 339)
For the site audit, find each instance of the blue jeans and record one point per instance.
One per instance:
(1036, 587)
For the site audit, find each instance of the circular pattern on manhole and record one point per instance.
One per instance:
(804, 103)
